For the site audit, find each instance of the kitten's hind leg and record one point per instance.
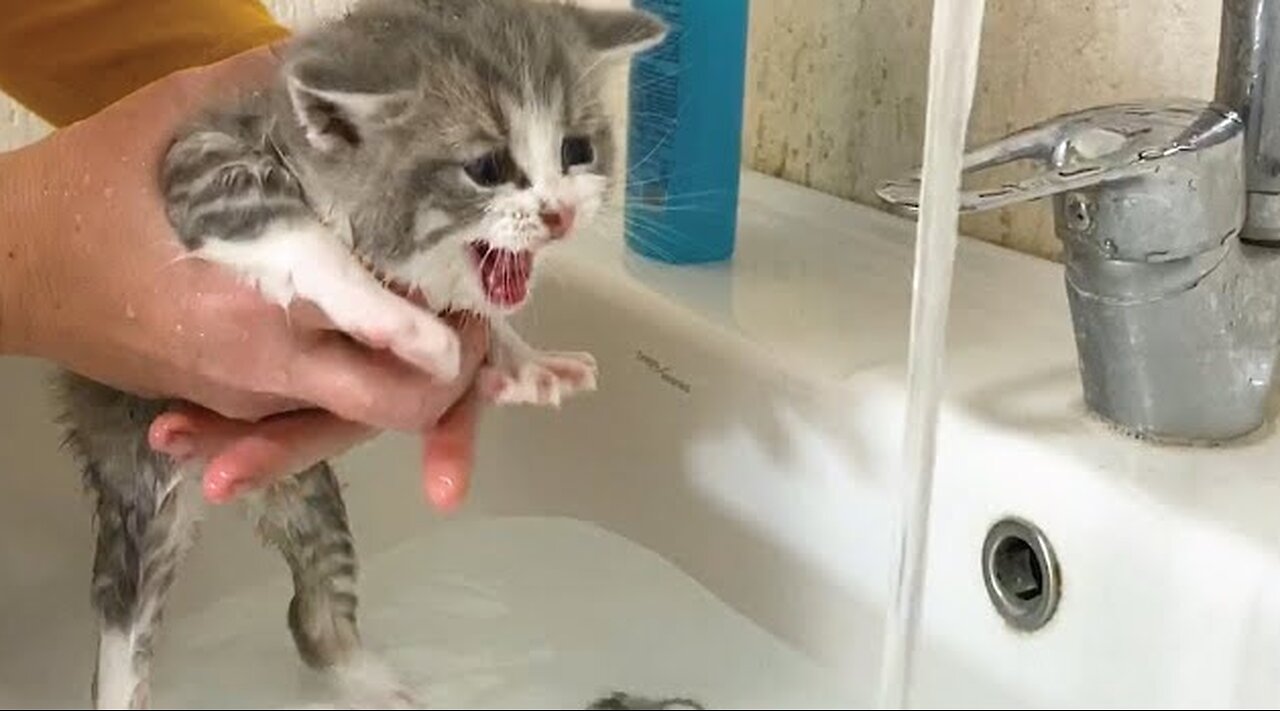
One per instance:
(306, 519)
(144, 530)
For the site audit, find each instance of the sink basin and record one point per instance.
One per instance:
(743, 445)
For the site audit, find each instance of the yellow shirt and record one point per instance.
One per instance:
(67, 59)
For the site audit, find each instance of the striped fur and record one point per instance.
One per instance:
(364, 162)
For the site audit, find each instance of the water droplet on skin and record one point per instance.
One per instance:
(129, 313)
(79, 222)
(178, 328)
(108, 192)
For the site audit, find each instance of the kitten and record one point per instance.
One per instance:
(435, 146)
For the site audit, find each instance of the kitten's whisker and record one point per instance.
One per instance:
(184, 257)
(654, 237)
(587, 73)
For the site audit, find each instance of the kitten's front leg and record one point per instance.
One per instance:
(521, 374)
(237, 205)
(301, 258)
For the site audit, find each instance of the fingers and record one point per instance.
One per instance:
(448, 455)
(189, 433)
(250, 408)
(375, 387)
(245, 455)
(369, 386)
(258, 455)
(306, 316)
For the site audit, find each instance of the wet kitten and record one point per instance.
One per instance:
(434, 145)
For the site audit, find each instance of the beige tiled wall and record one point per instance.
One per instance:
(835, 88)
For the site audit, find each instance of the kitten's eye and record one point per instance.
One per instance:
(576, 150)
(493, 169)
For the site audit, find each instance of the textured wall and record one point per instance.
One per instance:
(836, 88)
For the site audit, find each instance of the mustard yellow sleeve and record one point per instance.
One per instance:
(67, 59)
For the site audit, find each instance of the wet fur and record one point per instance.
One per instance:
(350, 171)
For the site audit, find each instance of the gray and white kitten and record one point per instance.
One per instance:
(431, 145)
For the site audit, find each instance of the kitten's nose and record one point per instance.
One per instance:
(559, 220)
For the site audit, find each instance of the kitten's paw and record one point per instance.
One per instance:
(429, 344)
(412, 335)
(543, 379)
(367, 682)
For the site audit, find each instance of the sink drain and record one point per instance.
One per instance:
(1021, 573)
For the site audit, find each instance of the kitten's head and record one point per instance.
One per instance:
(462, 136)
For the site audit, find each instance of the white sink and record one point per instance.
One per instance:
(747, 431)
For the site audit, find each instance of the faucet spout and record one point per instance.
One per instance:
(1248, 82)
(1175, 317)
(1169, 215)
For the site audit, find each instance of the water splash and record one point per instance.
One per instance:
(953, 69)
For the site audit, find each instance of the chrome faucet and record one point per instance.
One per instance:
(1169, 215)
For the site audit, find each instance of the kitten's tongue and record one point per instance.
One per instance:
(504, 273)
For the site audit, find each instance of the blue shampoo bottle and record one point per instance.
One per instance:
(684, 145)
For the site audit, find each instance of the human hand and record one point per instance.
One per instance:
(95, 281)
(103, 288)
(240, 456)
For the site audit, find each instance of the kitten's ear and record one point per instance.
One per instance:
(621, 33)
(334, 118)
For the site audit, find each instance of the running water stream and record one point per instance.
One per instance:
(953, 68)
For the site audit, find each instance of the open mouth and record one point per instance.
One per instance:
(504, 273)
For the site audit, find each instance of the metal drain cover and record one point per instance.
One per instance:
(1021, 573)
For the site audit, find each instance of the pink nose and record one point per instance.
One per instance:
(558, 221)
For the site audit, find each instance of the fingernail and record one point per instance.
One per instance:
(220, 487)
(442, 492)
(215, 494)
(178, 446)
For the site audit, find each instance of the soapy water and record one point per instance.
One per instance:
(502, 613)
(953, 69)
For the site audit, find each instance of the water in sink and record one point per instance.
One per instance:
(503, 613)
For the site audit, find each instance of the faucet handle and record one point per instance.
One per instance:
(1173, 160)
